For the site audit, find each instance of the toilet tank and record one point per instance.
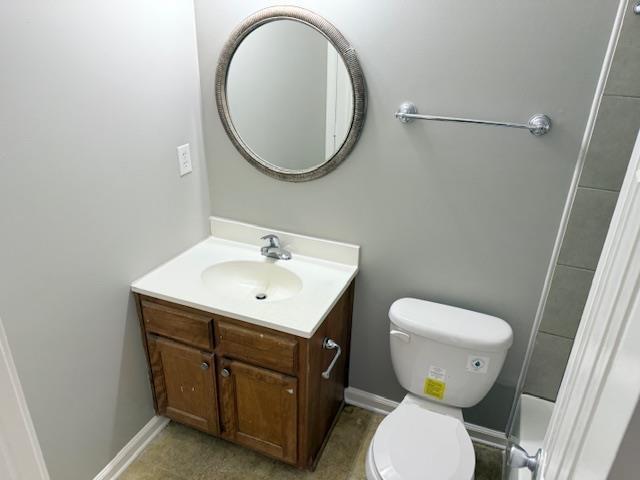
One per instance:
(446, 354)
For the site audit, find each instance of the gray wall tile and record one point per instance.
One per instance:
(612, 142)
(605, 166)
(625, 70)
(588, 224)
(547, 366)
(567, 296)
(489, 412)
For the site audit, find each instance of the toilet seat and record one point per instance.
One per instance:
(414, 443)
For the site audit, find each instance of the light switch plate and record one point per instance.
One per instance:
(184, 159)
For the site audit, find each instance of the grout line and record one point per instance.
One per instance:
(556, 335)
(598, 188)
(621, 96)
(540, 397)
(576, 267)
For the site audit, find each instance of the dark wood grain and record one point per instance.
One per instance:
(324, 397)
(257, 345)
(184, 381)
(145, 346)
(259, 408)
(274, 399)
(186, 326)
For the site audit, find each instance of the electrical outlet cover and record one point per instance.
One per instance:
(184, 159)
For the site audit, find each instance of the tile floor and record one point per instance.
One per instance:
(181, 453)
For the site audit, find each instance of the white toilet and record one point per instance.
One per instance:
(448, 358)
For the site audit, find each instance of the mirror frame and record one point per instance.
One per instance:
(350, 59)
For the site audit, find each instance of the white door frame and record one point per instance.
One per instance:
(20, 454)
(601, 387)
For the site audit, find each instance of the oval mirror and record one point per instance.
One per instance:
(290, 93)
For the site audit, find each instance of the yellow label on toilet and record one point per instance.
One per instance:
(434, 387)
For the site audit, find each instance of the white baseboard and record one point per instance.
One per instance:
(20, 453)
(369, 401)
(384, 406)
(133, 449)
(487, 436)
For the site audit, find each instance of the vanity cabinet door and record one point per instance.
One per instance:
(259, 408)
(184, 383)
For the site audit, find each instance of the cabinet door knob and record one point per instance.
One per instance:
(225, 372)
(204, 365)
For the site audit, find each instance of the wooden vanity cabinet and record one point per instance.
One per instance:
(259, 409)
(184, 383)
(251, 385)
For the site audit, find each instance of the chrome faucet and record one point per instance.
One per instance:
(274, 250)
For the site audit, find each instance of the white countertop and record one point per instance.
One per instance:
(323, 280)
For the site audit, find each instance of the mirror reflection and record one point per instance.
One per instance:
(289, 95)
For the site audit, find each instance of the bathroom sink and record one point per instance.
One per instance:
(228, 274)
(261, 281)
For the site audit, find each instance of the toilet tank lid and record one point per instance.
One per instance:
(451, 325)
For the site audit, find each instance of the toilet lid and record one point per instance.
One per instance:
(413, 443)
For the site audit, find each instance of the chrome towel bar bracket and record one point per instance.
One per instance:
(538, 124)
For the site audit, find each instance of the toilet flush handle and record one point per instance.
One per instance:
(329, 344)
(405, 337)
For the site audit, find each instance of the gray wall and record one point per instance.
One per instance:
(263, 102)
(614, 135)
(625, 466)
(95, 98)
(459, 214)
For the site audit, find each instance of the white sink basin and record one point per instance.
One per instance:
(250, 280)
(225, 272)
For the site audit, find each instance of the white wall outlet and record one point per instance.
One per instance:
(184, 159)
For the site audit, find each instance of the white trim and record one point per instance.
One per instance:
(573, 188)
(369, 401)
(486, 436)
(384, 406)
(133, 449)
(602, 385)
(339, 102)
(332, 91)
(19, 446)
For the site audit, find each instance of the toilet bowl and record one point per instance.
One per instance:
(415, 443)
(448, 358)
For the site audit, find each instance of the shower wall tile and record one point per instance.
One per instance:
(547, 366)
(612, 141)
(605, 165)
(625, 70)
(587, 228)
(565, 303)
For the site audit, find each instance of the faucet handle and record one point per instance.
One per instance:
(274, 241)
